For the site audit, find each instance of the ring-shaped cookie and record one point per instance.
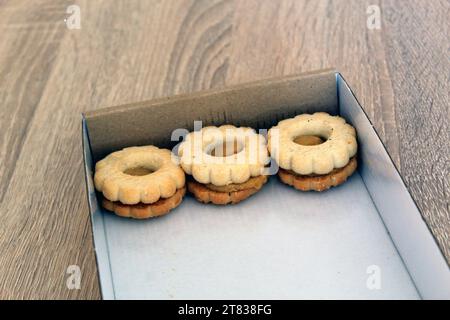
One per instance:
(163, 178)
(335, 152)
(199, 158)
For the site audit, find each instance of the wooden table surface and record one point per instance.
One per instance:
(127, 51)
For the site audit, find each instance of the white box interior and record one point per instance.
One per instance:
(279, 244)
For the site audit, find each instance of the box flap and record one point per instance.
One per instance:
(282, 97)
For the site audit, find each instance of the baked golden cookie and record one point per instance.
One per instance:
(233, 193)
(318, 182)
(135, 181)
(226, 163)
(145, 210)
(314, 152)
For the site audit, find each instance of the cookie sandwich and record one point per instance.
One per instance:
(140, 182)
(314, 151)
(225, 164)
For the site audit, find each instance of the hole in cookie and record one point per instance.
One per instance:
(226, 148)
(309, 140)
(138, 171)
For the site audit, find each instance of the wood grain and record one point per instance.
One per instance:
(127, 51)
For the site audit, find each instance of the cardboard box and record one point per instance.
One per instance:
(365, 239)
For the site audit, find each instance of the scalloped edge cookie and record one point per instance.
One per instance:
(335, 152)
(196, 158)
(144, 210)
(115, 184)
(203, 194)
(318, 182)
